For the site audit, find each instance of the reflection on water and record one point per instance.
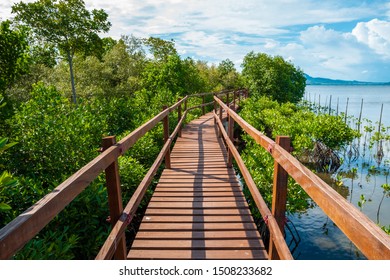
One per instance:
(359, 179)
(320, 238)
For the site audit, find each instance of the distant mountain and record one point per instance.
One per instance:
(323, 81)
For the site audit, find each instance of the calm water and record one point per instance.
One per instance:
(319, 237)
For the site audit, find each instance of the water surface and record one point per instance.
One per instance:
(319, 237)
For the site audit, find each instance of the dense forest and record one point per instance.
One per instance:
(63, 87)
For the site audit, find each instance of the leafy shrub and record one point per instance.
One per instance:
(261, 167)
(303, 126)
(55, 137)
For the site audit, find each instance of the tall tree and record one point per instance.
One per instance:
(228, 75)
(14, 56)
(160, 48)
(273, 77)
(65, 23)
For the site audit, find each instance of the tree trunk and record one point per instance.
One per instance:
(70, 60)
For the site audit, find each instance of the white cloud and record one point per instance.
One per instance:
(214, 30)
(375, 34)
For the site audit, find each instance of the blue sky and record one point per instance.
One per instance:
(334, 39)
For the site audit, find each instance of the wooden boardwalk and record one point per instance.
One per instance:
(198, 210)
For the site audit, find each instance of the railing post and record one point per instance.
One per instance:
(227, 99)
(234, 100)
(114, 197)
(179, 118)
(166, 137)
(203, 102)
(279, 196)
(215, 109)
(230, 134)
(220, 118)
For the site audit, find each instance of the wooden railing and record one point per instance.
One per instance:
(371, 240)
(110, 247)
(366, 235)
(23, 228)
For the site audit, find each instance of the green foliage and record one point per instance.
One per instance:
(14, 56)
(211, 76)
(362, 201)
(86, 218)
(7, 184)
(4, 145)
(261, 167)
(67, 24)
(167, 77)
(77, 232)
(386, 229)
(303, 126)
(19, 197)
(273, 77)
(123, 70)
(132, 172)
(54, 136)
(161, 49)
(228, 75)
(6, 180)
(52, 245)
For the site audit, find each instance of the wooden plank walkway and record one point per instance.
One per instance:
(198, 210)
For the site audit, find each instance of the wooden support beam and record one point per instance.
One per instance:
(227, 99)
(220, 118)
(234, 100)
(279, 196)
(278, 237)
(179, 117)
(166, 137)
(203, 102)
(215, 110)
(114, 197)
(355, 225)
(230, 135)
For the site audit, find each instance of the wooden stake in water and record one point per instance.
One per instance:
(325, 104)
(379, 153)
(380, 120)
(337, 109)
(330, 105)
(360, 116)
(319, 103)
(346, 110)
(314, 101)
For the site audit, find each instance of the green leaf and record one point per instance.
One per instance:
(4, 146)
(6, 180)
(4, 207)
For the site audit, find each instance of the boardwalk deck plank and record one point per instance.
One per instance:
(198, 210)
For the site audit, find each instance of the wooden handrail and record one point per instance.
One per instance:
(364, 233)
(371, 240)
(281, 246)
(23, 228)
(109, 247)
